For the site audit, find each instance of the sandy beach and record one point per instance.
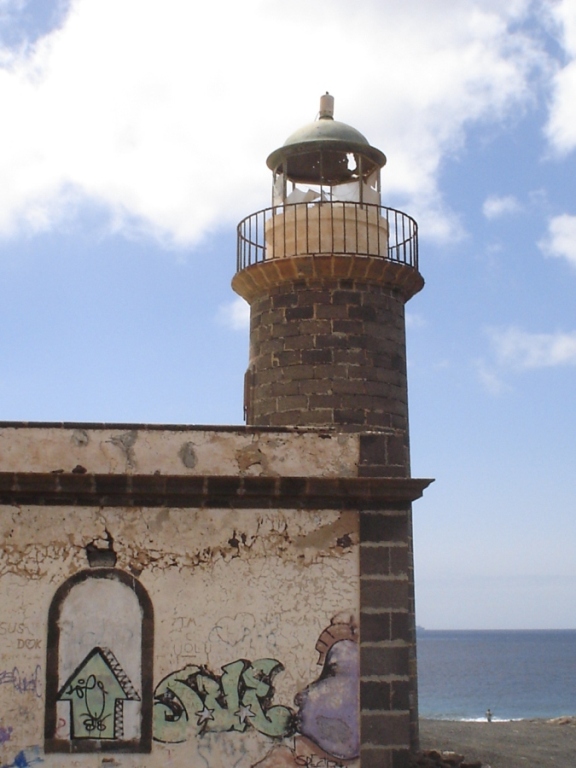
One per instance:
(513, 744)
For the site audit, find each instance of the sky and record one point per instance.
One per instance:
(133, 138)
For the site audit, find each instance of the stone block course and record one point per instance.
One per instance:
(280, 299)
(332, 311)
(355, 325)
(375, 559)
(299, 342)
(299, 313)
(401, 625)
(400, 698)
(381, 661)
(380, 527)
(387, 729)
(376, 627)
(399, 560)
(376, 592)
(373, 757)
(375, 695)
(317, 356)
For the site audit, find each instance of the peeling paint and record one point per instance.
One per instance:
(226, 586)
(126, 442)
(188, 455)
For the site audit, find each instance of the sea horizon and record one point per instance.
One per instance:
(517, 674)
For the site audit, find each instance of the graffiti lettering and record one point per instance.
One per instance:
(5, 734)
(21, 683)
(12, 628)
(28, 643)
(194, 699)
(62, 723)
(314, 761)
(182, 622)
(187, 648)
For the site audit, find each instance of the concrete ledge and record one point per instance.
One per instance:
(206, 491)
(257, 279)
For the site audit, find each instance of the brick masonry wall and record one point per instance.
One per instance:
(332, 352)
(388, 704)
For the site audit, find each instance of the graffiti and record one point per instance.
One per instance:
(21, 683)
(25, 758)
(301, 754)
(186, 648)
(60, 726)
(315, 761)
(328, 707)
(12, 628)
(5, 734)
(28, 643)
(194, 699)
(96, 691)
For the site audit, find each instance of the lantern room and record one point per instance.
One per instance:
(326, 160)
(326, 200)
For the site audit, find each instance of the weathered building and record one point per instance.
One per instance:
(215, 596)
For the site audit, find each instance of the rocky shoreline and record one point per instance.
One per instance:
(509, 744)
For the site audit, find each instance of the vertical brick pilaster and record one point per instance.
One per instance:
(388, 703)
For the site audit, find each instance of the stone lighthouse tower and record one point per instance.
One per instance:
(327, 271)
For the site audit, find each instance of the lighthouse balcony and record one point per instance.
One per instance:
(327, 228)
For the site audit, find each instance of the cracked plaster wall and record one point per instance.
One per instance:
(225, 585)
(178, 451)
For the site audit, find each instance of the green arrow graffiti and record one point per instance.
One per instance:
(96, 691)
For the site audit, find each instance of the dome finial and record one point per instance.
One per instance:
(326, 107)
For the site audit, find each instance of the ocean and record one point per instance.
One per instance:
(515, 674)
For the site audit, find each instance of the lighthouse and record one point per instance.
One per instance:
(201, 596)
(327, 271)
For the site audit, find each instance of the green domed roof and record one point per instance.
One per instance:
(325, 134)
(326, 129)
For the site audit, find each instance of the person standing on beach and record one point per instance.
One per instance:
(489, 715)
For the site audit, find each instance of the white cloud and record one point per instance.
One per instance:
(164, 115)
(561, 128)
(490, 379)
(519, 350)
(496, 206)
(235, 314)
(561, 238)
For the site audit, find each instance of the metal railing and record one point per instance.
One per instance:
(327, 228)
